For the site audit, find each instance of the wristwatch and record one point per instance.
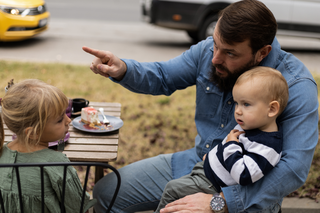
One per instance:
(217, 203)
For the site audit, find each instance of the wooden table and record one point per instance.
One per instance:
(90, 147)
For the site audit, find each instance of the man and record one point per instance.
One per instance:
(244, 37)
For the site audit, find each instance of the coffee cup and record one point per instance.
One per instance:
(78, 104)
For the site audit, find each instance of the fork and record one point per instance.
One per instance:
(105, 120)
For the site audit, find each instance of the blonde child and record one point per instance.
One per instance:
(250, 150)
(36, 113)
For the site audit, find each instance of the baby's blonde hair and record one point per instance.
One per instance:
(31, 103)
(274, 86)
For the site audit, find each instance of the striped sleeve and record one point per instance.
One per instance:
(248, 161)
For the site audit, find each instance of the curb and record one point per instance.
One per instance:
(300, 205)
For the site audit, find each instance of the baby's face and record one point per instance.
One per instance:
(251, 110)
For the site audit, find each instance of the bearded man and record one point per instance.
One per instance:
(244, 37)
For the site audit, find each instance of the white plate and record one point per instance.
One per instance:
(115, 124)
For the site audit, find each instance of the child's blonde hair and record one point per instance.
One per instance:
(31, 103)
(274, 86)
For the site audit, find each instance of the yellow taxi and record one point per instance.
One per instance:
(22, 19)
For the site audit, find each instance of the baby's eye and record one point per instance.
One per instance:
(246, 104)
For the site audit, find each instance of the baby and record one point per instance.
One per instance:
(250, 150)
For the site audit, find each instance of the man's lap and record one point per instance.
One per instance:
(142, 184)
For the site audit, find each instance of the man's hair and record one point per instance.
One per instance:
(247, 19)
(274, 86)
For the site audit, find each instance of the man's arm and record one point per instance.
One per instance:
(156, 78)
(165, 77)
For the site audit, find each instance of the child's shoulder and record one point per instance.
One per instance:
(44, 155)
(49, 155)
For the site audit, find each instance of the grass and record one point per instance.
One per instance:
(152, 124)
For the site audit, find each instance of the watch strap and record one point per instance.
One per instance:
(220, 211)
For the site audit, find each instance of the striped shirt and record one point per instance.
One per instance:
(245, 162)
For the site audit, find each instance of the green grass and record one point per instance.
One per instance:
(152, 124)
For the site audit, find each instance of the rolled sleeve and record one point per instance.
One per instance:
(165, 77)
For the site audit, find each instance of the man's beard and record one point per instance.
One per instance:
(225, 84)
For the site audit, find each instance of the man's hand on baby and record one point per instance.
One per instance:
(234, 135)
(195, 203)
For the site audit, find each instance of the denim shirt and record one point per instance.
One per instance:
(214, 119)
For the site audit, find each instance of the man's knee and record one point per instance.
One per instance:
(105, 187)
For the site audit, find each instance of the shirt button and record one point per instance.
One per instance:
(229, 102)
(9, 176)
(208, 88)
(222, 125)
(207, 145)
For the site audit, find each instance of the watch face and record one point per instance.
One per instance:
(217, 203)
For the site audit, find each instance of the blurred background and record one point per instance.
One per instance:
(117, 26)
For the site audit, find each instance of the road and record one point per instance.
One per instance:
(111, 10)
(115, 25)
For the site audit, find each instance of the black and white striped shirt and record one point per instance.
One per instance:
(231, 163)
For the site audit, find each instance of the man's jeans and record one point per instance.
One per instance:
(142, 184)
(141, 187)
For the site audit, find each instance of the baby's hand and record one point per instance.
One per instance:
(234, 135)
(204, 157)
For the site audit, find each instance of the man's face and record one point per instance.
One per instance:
(230, 61)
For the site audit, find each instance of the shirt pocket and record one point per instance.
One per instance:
(209, 98)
